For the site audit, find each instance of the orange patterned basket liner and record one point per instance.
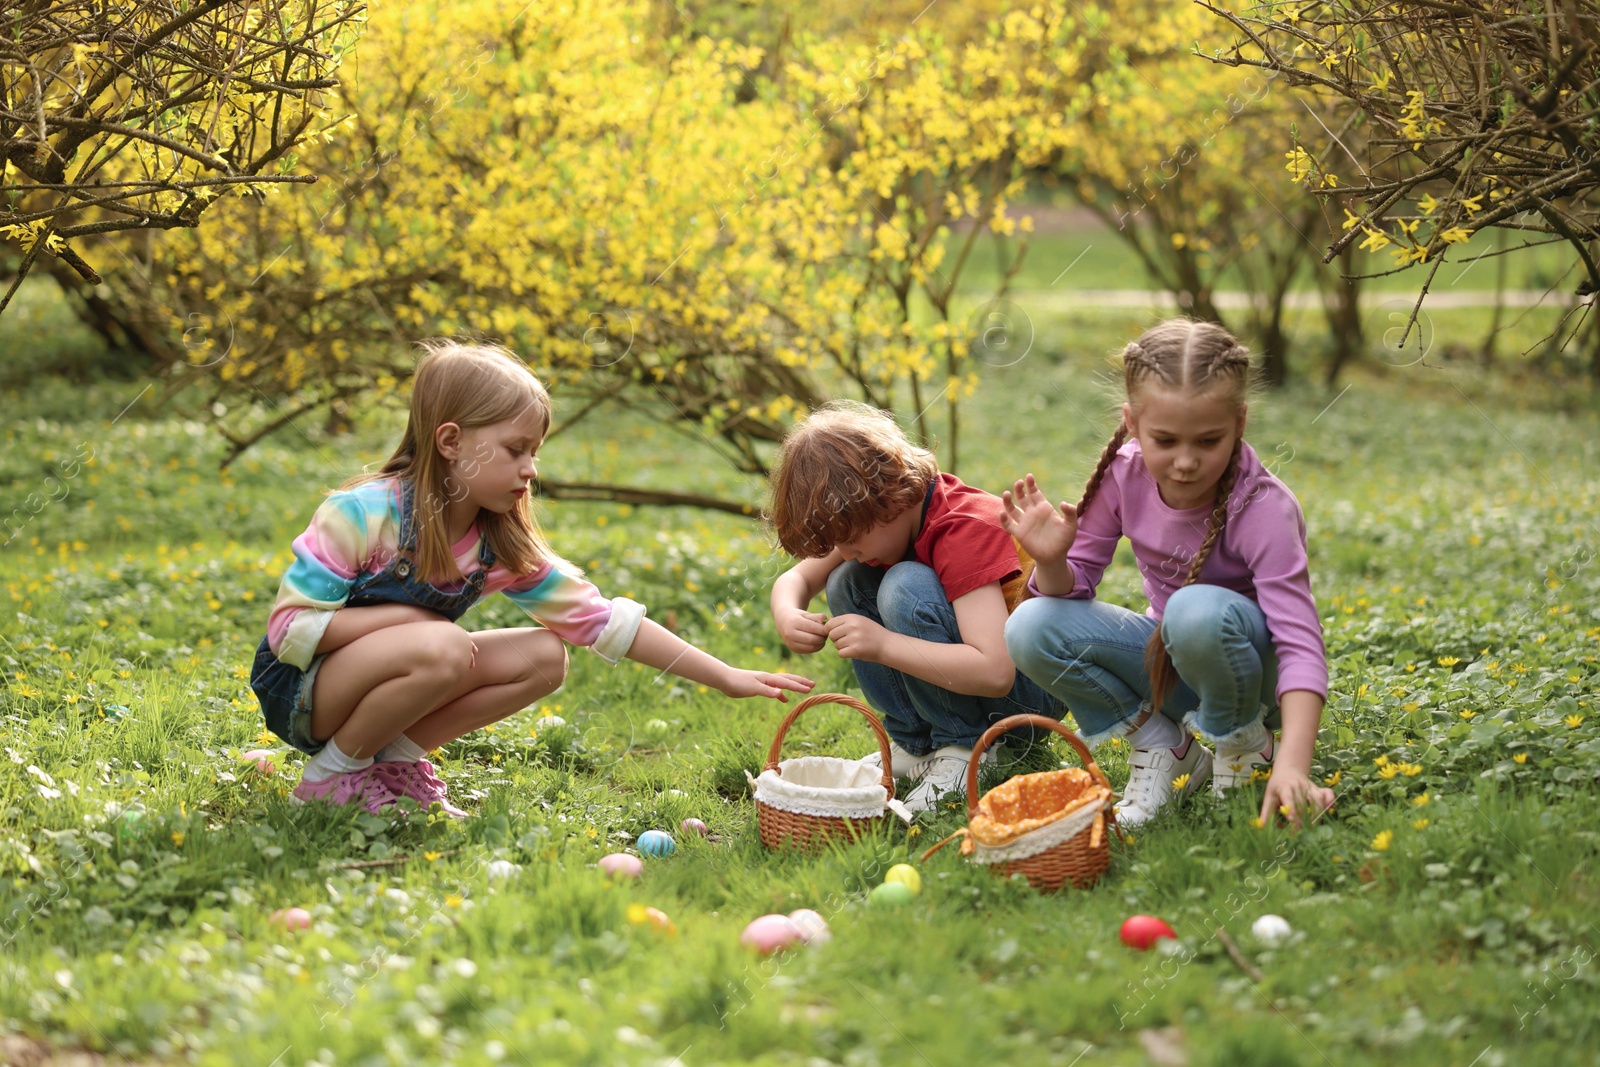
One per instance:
(1031, 801)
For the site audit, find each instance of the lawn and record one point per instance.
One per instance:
(1443, 913)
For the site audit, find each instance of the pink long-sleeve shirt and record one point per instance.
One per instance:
(1260, 554)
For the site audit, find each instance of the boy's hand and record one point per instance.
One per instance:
(858, 637)
(804, 632)
(1292, 793)
(1046, 530)
(742, 683)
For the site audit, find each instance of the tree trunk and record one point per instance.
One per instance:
(1341, 307)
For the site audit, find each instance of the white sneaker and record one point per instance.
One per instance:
(1151, 774)
(1234, 768)
(946, 773)
(902, 764)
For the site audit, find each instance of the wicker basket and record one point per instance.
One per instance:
(1049, 827)
(852, 810)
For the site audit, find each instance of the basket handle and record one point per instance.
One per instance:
(834, 698)
(1010, 723)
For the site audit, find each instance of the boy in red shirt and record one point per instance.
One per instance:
(920, 577)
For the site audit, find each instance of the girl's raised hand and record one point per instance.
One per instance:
(1046, 530)
(742, 683)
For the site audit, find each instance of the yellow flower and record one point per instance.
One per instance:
(1180, 781)
(431, 856)
(590, 832)
(1573, 721)
(1454, 235)
(1419, 824)
(1376, 239)
(1410, 770)
(1520, 757)
(1388, 770)
(177, 838)
(1468, 714)
(1381, 760)
(1257, 823)
(1259, 775)
(1333, 779)
(1521, 668)
(1410, 705)
(1180, 240)
(1361, 690)
(1381, 842)
(266, 737)
(1473, 204)
(1299, 165)
(1420, 800)
(1448, 661)
(453, 900)
(1350, 219)
(1428, 204)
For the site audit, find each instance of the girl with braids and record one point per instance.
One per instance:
(1231, 646)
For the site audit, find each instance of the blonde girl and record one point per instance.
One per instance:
(1231, 646)
(363, 665)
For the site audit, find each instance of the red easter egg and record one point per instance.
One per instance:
(1143, 931)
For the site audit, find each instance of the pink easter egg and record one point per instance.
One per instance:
(813, 927)
(694, 824)
(290, 918)
(771, 933)
(620, 865)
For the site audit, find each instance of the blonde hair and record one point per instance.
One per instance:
(1192, 357)
(471, 384)
(845, 469)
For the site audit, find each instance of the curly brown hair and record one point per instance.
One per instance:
(845, 469)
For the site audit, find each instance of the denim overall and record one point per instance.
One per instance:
(284, 691)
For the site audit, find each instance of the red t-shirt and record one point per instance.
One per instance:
(962, 539)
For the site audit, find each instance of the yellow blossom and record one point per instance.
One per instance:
(177, 838)
(1381, 842)
(453, 900)
(1520, 757)
(1376, 239)
(1180, 781)
(1410, 770)
(1333, 779)
(1428, 204)
(1419, 824)
(1454, 235)
(1388, 770)
(431, 856)
(1468, 714)
(1573, 721)
(1420, 800)
(1448, 661)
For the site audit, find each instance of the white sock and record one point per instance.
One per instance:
(330, 761)
(1158, 731)
(401, 750)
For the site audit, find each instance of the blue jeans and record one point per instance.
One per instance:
(921, 716)
(1090, 654)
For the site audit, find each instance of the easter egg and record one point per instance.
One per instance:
(115, 710)
(906, 875)
(656, 727)
(639, 915)
(501, 869)
(132, 821)
(890, 895)
(694, 826)
(813, 927)
(1271, 929)
(656, 843)
(770, 933)
(255, 755)
(548, 721)
(290, 918)
(620, 865)
(1143, 931)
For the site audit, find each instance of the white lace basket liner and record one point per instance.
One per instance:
(827, 786)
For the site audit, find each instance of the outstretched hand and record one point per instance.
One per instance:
(1295, 797)
(742, 683)
(1044, 529)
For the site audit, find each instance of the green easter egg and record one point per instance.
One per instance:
(889, 895)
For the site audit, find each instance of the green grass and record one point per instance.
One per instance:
(1453, 529)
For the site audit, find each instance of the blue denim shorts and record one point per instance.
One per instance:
(285, 695)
